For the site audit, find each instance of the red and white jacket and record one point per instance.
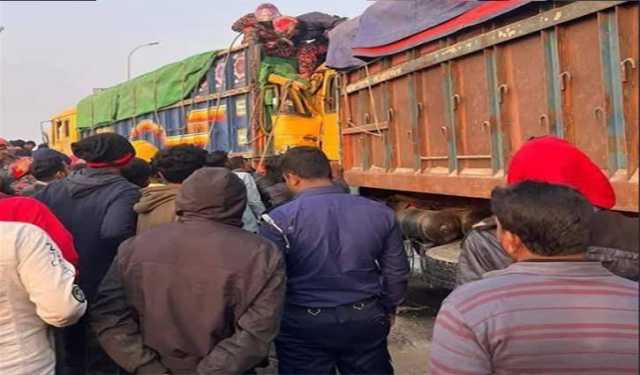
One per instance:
(36, 289)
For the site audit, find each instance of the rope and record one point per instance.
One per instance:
(372, 100)
(281, 105)
(220, 89)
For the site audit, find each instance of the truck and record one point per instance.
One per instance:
(235, 100)
(430, 128)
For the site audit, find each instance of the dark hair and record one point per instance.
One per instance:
(42, 146)
(306, 162)
(272, 168)
(45, 169)
(138, 172)
(236, 162)
(551, 220)
(30, 143)
(17, 143)
(217, 159)
(179, 162)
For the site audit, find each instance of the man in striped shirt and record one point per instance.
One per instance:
(550, 312)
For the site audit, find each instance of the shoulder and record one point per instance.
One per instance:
(21, 236)
(485, 290)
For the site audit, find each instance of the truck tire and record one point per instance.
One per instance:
(439, 265)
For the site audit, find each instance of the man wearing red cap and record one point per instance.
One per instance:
(614, 237)
(96, 205)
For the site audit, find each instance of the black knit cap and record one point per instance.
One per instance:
(106, 150)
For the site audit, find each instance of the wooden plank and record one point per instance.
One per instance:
(513, 31)
(359, 129)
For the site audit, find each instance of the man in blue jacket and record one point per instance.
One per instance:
(346, 269)
(96, 205)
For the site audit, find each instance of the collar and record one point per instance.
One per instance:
(333, 189)
(559, 269)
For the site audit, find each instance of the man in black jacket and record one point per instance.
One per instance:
(96, 205)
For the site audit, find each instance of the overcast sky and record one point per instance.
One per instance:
(53, 53)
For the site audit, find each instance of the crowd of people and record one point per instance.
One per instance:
(195, 263)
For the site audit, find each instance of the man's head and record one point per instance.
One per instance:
(138, 172)
(29, 145)
(17, 143)
(176, 163)
(265, 14)
(217, 159)
(556, 161)
(540, 220)
(106, 151)
(212, 194)
(304, 168)
(4, 149)
(49, 165)
(237, 163)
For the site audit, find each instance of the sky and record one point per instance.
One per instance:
(54, 53)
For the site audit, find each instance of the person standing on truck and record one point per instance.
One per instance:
(346, 273)
(213, 300)
(257, 27)
(551, 311)
(38, 290)
(614, 237)
(172, 166)
(96, 205)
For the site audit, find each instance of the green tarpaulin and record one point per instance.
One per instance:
(147, 93)
(287, 68)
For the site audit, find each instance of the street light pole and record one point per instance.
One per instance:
(133, 51)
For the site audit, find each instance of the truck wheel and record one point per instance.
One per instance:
(439, 265)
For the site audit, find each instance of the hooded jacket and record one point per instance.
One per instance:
(157, 206)
(97, 208)
(199, 295)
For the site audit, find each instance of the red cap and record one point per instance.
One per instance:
(4, 142)
(556, 161)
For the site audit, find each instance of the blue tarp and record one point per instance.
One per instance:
(387, 21)
(383, 28)
(340, 55)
